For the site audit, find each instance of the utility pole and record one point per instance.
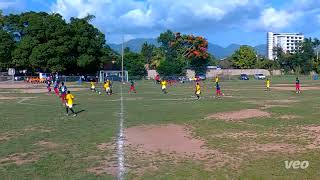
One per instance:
(122, 57)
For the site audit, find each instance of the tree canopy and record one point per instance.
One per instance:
(303, 60)
(245, 57)
(45, 42)
(182, 51)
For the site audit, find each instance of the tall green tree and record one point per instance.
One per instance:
(165, 39)
(302, 61)
(147, 52)
(48, 43)
(157, 57)
(6, 48)
(245, 57)
(1, 18)
(134, 64)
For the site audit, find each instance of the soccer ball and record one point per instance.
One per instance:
(99, 93)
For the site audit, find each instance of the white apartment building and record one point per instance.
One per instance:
(289, 42)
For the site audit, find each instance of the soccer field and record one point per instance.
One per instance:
(247, 134)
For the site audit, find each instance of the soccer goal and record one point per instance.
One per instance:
(113, 76)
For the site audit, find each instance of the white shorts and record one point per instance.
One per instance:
(163, 87)
(107, 89)
(68, 105)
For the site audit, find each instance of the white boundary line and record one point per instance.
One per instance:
(22, 101)
(120, 141)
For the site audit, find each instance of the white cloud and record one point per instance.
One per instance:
(151, 16)
(272, 19)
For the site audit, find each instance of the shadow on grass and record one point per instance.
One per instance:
(78, 112)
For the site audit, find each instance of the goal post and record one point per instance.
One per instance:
(113, 76)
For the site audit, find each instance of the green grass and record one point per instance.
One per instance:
(43, 119)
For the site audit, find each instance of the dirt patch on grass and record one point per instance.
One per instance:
(272, 148)
(282, 101)
(37, 128)
(14, 97)
(19, 158)
(239, 115)
(167, 139)
(288, 88)
(155, 145)
(33, 90)
(148, 148)
(288, 117)
(276, 147)
(237, 135)
(313, 133)
(105, 167)
(15, 134)
(106, 146)
(104, 164)
(315, 129)
(19, 85)
(48, 144)
(267, 106)
(287, 85)
(9, 135)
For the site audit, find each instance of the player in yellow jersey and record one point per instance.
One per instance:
(164, 86)
(268, 84)
(217, 79)
(107, 86)
(69, 103)
(93, 86)
(198, 90)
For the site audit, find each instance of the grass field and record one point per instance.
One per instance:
(38, 141)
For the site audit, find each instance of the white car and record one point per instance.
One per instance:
(259, 76)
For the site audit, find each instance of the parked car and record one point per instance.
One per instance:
(201, 77)
(19, 78)
(259, 76)
(184, 79)
(244, 77)
(91, 78)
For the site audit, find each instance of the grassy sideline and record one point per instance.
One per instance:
(42, 118)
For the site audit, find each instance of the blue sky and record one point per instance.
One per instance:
(221, 21)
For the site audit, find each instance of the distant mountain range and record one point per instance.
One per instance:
(218, 51)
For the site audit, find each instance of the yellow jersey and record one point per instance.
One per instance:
(69, 98)
(198, 89)
(268, 83)
(106, 85)
(164, 83)
(92, 85)
(217, 79)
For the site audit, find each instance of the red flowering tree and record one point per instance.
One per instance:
(193, 48)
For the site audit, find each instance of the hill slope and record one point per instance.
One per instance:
(217, 50)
